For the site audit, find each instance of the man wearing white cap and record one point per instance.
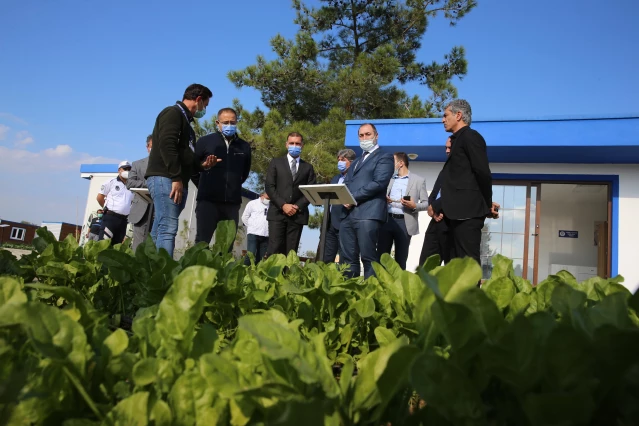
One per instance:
(115, 199)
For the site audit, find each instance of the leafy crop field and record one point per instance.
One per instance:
(96, 335)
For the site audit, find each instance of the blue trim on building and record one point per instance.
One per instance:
(613, 180)
(593, 140)
(98, 168)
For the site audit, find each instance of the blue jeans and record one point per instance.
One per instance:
(167, 212)
(257, 245)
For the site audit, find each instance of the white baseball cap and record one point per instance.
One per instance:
(124, 163)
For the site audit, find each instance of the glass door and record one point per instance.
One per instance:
(514, 233)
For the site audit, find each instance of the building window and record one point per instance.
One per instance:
(18, 234)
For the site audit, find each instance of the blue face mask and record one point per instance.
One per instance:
(229, 129)
(294, 151)
(200, 113)
(341, 166)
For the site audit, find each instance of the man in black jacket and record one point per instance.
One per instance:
(172, 162)
(466, 187)
(436, 240)
(288, 209)
(219, 194)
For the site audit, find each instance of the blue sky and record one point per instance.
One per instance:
(83, 81)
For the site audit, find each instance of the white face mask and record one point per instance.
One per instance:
(367, 144)
(124, 174)
(265, 201)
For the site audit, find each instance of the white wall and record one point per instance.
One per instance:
(96, 180)
(562, 209)
(628, 206)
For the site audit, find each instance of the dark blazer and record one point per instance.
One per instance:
(173, 143)
(435, 203)
(336, 209)
(281, 189)
(222, 183)
(368, 185)
(467, 184)
(136, 180)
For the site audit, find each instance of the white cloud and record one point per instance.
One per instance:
(62, 157)
(23, 138)
(11, 117)
(3, 131)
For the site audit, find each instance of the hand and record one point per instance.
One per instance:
(410, 204)
(430, 211)
(210, 161)
(176, 192)
(388, 199)
(349, 206)
(494, 214)
(289, 209)
(438, 217)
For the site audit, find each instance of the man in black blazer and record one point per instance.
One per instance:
(344, 159)
(288, 209)
(219, 189)
(467, 184)
(436, 240)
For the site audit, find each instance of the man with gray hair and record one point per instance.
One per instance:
(344, 159)
(466, 189)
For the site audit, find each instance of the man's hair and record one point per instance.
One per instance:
(368, 124)
(148, 139)
(295, 135)
(403, 157)
(349, 154)
(195, 90)
(223, 110)
(462, 105)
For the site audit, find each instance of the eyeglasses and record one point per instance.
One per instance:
(227, 122)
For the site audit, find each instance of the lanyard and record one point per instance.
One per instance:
(191, 131)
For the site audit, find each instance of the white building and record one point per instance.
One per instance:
(568, 189)
(98, 174)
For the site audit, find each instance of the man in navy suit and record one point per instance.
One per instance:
(367, 179)
(345, 158)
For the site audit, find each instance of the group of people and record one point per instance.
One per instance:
(388, 197)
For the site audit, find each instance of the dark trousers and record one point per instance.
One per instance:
(209, 214)
(257, 245)
(394, 231)
(283, 236)
(113, 228)
(332, 245)
(436, 241)
(355, 237)
(465, 237)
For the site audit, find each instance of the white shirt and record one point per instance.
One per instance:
(254, 218)
(297, 162)
(118, 197)
(370, 152)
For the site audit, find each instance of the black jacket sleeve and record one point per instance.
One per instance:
(270, 185)
(476, 151)
(170, 126)
(247, 166)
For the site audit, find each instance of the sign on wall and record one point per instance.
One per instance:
(568, 234)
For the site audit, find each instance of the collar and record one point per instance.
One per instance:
(372, 150)
(189, 116)
(458, 132)
(297, 160)
(402, 177)
(227, 140)
(118, 178)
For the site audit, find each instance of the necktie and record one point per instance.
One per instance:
(293, 168)
(363, 158)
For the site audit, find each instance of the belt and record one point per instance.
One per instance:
(396, 216)
(117, 214)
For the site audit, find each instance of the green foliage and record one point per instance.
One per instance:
(216, 342)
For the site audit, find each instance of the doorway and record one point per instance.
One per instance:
(571, 232)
